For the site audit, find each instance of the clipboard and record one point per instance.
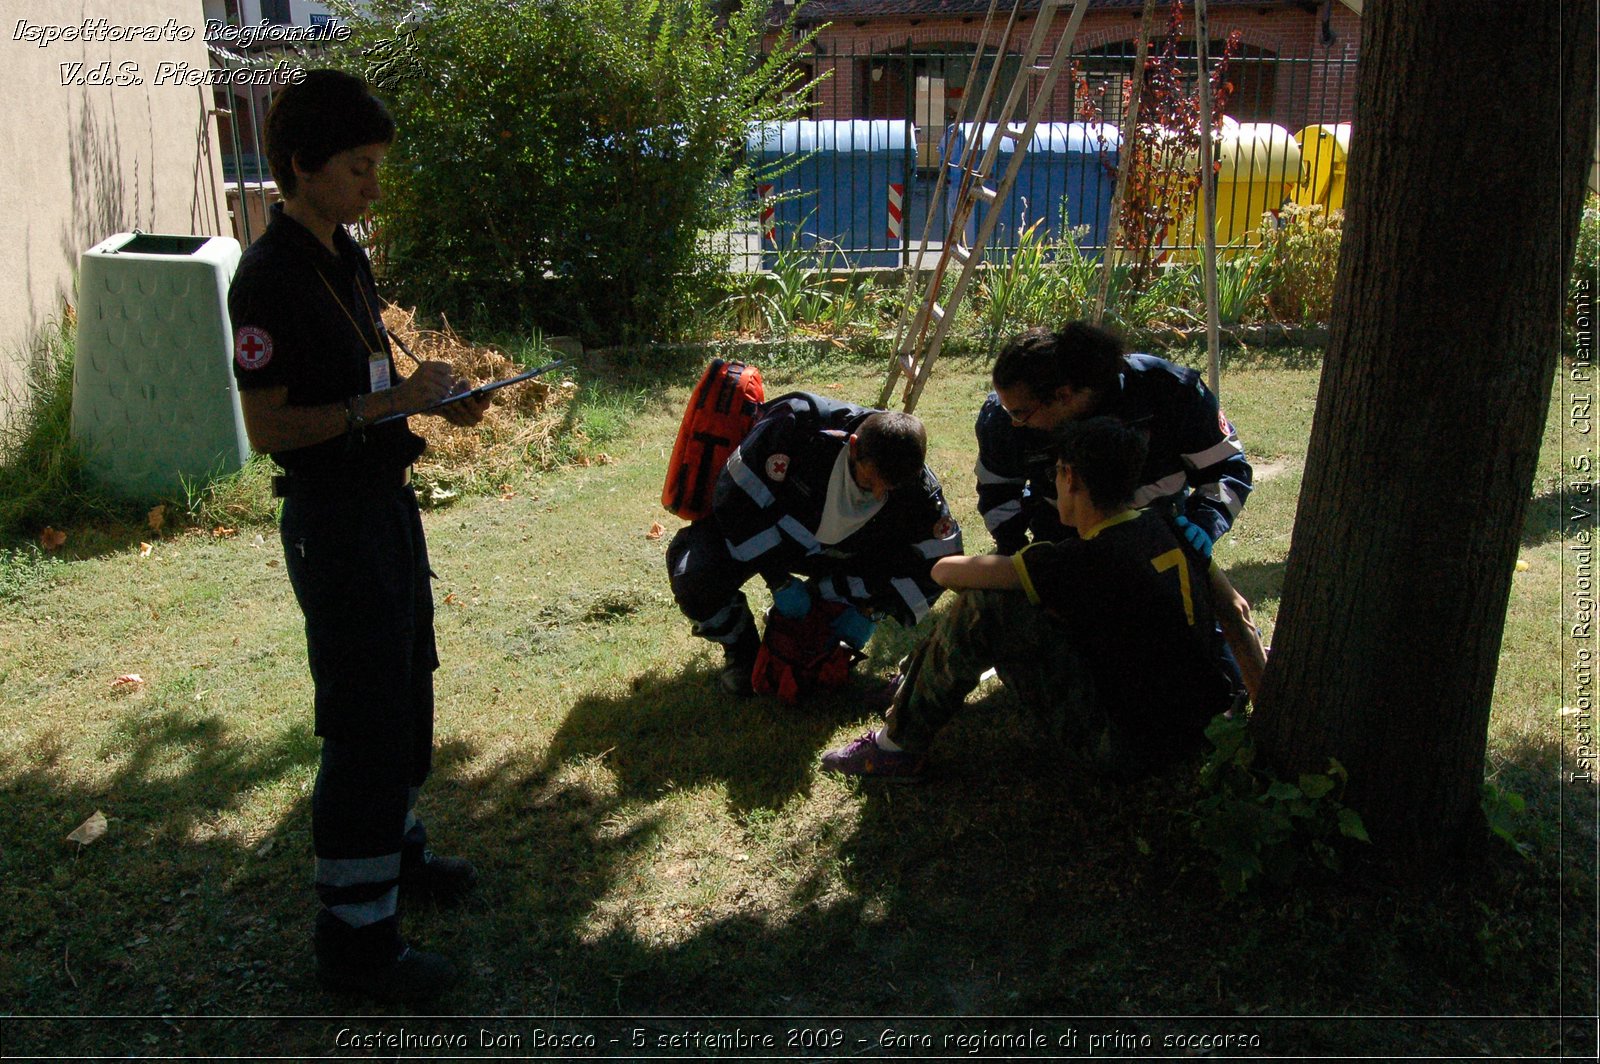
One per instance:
(480, 390)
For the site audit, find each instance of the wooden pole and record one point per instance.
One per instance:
(1208, 199)
(1127, 156)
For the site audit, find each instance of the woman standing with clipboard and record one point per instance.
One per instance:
(315, 376)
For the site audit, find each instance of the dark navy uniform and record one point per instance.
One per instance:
(308, 320)
(1195, 461)
(771, 516)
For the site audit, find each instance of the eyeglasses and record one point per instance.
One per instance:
(1021, 415)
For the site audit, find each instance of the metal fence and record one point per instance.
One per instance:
(871, 207)
(854, 190)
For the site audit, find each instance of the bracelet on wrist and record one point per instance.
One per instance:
(355, 412)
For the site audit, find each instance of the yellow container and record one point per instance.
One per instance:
(1324, 159)
(1258, 166)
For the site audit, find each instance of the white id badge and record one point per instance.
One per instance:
(378, 372)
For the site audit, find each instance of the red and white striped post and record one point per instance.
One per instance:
(769, 231)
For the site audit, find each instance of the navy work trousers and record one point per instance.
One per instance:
(359, 567)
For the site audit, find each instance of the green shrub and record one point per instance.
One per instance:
(1257, 825)
(1018, 288)
(1303, 248)
(561, 162)
(802, 287)
(1243, 276)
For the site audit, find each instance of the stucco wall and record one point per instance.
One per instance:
(79, 162)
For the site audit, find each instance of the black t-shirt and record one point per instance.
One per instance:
(1138, 605)
(309, 320)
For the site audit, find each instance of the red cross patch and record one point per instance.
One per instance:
(1222, 423)
(252, 347)
(777, 467)
(943, 529)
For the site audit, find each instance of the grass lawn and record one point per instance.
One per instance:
(650, 848)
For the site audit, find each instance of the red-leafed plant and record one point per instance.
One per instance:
(1163, 181)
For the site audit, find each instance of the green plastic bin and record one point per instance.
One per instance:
(153, 398)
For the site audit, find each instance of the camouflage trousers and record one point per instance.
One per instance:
(1033, 656)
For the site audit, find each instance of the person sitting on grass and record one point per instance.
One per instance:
(835, 494)
(1108, 635)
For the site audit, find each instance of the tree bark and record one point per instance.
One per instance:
(1473, 131)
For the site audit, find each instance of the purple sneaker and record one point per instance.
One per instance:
(864, 757)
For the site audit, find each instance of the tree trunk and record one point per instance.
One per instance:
(1472, 136)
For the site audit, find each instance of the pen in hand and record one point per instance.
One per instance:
(457, 384)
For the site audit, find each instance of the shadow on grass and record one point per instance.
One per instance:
(683, 731)
(1545, 521)
(1000, 887)
(165, 912)
(1258, 581)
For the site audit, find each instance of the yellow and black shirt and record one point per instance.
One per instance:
(1138, 606)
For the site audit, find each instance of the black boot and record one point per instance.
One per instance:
(738, 662)
(441, 880)
(375, 961)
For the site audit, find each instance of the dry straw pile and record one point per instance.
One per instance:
(528, 423)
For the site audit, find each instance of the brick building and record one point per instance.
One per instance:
(913, 58)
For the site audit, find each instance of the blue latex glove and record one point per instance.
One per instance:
(792, 600)
(1195, 535)
(853, 628)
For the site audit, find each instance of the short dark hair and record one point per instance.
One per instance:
(1107, 454)
(895, 443)
(1080, 356)
(315, 119)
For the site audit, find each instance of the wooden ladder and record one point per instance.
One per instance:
(921, 334)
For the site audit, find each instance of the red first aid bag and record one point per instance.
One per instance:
(797, 657)
(721, 411)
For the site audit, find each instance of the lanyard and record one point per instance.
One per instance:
(373, 352)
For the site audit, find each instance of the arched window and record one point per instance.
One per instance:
(1252, 71)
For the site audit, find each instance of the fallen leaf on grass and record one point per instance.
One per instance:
(223, 532)
(89, 830)
(157, 517)
(450, 599)
(656, 530)
(50, 539)
(1522, 566)
(131, 681)
(145, 549)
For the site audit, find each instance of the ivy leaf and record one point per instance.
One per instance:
(1283, 792)
(1351, 827)
(1315, 786)
(1235, 870)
